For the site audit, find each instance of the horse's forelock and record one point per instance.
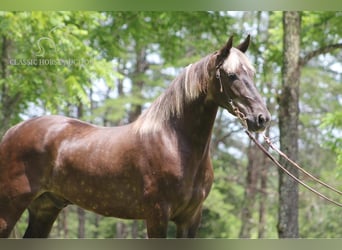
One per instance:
(237, 62)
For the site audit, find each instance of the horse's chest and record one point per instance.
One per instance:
(192, 194)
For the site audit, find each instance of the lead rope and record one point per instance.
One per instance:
(243, 121)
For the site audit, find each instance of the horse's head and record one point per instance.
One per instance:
(234, 86)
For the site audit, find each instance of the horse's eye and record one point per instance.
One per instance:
(232, 76)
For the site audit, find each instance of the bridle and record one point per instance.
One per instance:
(237, 112)
(243, 120)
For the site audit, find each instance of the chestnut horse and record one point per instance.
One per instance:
(157, 168)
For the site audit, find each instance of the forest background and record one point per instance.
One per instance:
(107, 67)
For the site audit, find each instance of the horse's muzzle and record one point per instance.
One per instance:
(259, 122)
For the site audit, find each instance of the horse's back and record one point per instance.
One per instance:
(27, 149)
(35, 134)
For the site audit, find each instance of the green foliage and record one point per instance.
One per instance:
(48, 59)
(111, 62)
(321, 28)
(333, 122)
(275, 44)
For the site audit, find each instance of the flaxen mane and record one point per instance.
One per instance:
(186, 87)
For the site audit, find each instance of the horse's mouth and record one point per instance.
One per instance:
(258, 123)
(252, 122)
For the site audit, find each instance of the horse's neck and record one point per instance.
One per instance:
(196, 123)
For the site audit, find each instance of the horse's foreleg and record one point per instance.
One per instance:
(157, 222)
(188, 229)
(195, 224)
(156, 228)
(42, 213)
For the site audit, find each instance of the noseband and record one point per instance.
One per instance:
(237, 112)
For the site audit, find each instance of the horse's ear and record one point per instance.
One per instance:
(244, 45)
(224, 51)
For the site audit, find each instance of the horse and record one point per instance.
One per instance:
(156, 169)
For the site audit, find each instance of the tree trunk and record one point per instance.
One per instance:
(121, 230)
(81, 223)
(262, 201)
(252, 179)
(97, 226)
(8, 100)
(288, 125)
(135, 229)
(138, 83)
(263, 189)
(62, 224)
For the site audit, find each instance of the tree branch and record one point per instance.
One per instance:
(323, 50)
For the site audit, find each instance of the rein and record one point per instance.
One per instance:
(243, 121)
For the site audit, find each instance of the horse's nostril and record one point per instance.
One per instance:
(262, 120)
